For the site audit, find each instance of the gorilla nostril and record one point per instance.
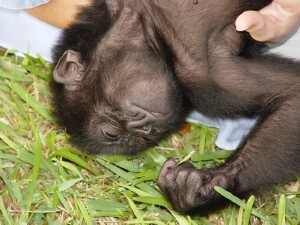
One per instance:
(151, 130)
(146, 128)
(155, 130)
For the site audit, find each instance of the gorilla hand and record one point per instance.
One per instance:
(189, 188)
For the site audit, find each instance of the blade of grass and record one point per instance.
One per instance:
(152, 175)
(4, 212)
(248, 210)
(6, 128)
(19, 106)
(238, 201)
(66, 185)
(186, 158)
(8, 65)
(14, 77)
(146, 222)
(135, 210)
(281, 210)
(203, 132)
(240, 216)
(29, 158)
(17, 191)
(156, 156)
(107, 214)
(4, 88)
(30, 100)
(35, 71)
(106, 205)
(10, 143)
(74, 158)
(232, 218)
(71, 167)
(202, 141)
(55, 198)
(50, 140)
(65, 203)
(160, 201)
(129, 177)
(42, 61)
(130, 166)
(135, 190)
(179, 218)
(289, 219)
(84, 212)
(297, 208)
(34, 175)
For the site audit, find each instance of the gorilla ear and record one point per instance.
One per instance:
(69, 69)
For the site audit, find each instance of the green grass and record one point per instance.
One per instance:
(44, 180)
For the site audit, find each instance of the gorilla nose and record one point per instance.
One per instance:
(143, 131)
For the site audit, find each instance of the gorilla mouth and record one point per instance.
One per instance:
(149, 139)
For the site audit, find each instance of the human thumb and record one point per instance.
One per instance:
(256, 24)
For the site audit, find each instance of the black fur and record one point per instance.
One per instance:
(129, 56)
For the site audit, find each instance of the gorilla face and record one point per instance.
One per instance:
(121, 103)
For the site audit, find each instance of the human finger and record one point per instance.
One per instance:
(258, 25)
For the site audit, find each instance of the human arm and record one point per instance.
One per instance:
(59, 13)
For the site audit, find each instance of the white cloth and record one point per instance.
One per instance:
(21, 4)
(24, 33)
(231, 132)
(27, 34)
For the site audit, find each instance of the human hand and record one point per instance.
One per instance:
(272, 24)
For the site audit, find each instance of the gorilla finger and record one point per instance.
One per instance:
(194, 182)
(166, 177)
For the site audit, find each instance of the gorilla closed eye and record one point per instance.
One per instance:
(110, 135)
(109, 131)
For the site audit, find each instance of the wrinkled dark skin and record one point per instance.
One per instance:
(128, 54)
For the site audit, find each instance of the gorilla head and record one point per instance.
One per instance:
(114, 92)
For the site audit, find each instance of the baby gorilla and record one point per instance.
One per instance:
(121, 72)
